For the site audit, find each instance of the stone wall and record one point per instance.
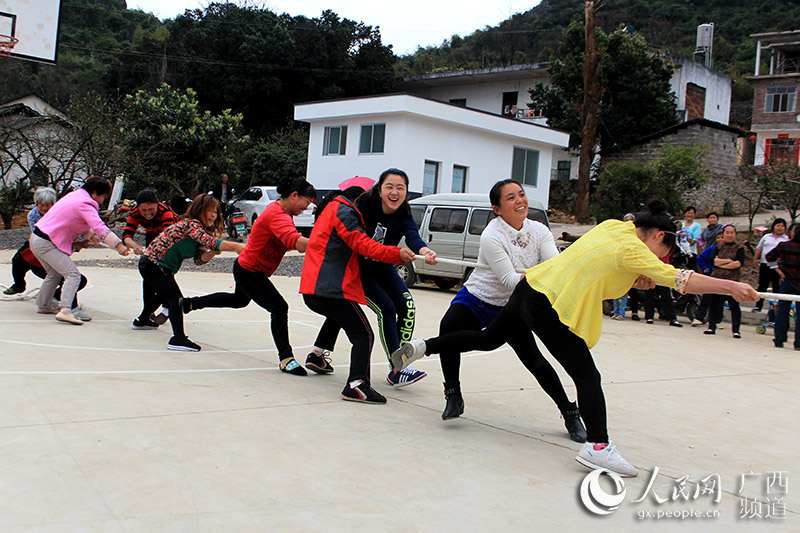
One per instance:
(720, 160)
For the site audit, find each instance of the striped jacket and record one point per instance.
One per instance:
(330, 268)
(163, 218)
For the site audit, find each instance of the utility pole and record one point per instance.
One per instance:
(590, 111)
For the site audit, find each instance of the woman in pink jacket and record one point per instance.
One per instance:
(51, 242)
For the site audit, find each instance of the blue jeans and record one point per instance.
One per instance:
(619, 305)
(782, 317)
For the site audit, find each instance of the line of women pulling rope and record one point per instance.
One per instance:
(347, 264)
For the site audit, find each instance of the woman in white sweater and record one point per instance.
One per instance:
(511, 241)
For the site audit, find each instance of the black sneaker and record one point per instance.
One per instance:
(183, 344)
(675, 324)
(291, 366)
(144, 323)
(319, 363)
(185, 304)
(13, 290)
(360, 391)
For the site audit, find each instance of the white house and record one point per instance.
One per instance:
(443, 147)
(700, 93)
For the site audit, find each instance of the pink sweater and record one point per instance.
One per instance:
(75, 214)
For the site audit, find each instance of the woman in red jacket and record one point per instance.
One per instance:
(331, 282)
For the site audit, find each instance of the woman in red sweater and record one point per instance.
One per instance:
(273, 234)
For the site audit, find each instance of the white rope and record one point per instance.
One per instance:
(765, 295)
(779, 296)
(463, 263)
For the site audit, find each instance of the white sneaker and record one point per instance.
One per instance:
(408, 353)
(696, 322)
(606, 457)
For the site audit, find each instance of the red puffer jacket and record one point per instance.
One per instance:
(330, 268)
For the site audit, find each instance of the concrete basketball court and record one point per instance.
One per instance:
(104, 429)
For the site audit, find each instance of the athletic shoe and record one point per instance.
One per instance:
(755, 310)
(572, 421)
(697, 322)
(48, 310)
(408, 353)
(144, 323)
(160, 318)
(360, 391)
(617, 317)
(291, 366)
(183, 344)
(185, 304)
(404, 377)
(80, 313)
(649, 320)
(605, 456)
(737, 335)
(68, 317)
(13, 290)
(709, 331)
(319, 363)
(675, 324)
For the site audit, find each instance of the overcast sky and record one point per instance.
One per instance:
(405, 24)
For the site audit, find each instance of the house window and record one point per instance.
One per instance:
(563, 170)
(335, 140)
(780, 99)
(782, 150)
(459, 179)
(510, 104)
(459, 101)
(372, 137)
(430, 179)
(525, 166)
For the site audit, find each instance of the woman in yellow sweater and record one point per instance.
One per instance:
(561, 301)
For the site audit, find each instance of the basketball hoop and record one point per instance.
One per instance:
(7, 44)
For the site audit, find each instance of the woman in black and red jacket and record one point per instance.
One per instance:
(331, 283)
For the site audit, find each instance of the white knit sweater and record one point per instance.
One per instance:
(504, 249)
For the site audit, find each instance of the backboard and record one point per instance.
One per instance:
(35, 24)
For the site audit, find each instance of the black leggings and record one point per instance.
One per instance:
(531, 310)
(767, 276)
(255, 286)
(459, 317)
(163, 283)
(715, 312)
(347, 315)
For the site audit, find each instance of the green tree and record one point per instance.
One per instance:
(174, 146)
(625, 187)
(284, 154)
(636, 99)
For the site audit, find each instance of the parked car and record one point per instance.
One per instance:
(253, 202)
(452, 224)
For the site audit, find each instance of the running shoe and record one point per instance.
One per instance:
(404, 377)
(359, 390)
(48, 310)
(319, 363)
(185, 304)
(13, 290)
(605, 455)
(408, 353)
(183, 344)
(291, 366)
(697, 322)
(144, 323)
(80, 313)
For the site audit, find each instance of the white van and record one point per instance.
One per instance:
(451, 225)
